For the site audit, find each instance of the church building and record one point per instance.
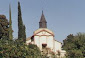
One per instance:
(45, 39)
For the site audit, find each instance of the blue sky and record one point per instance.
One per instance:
(63, 17)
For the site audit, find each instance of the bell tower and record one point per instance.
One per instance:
(43, 22)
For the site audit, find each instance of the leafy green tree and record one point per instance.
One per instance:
(36, 51)
(67, 43)
(4, 29)
(16, 49)
(75, 45)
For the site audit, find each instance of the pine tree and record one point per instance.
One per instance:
(21, 27)
(10, 24)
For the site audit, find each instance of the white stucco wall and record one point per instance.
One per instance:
(44, 37)
(28, 41)
(36, 40)
(50, 42)
(57, 46)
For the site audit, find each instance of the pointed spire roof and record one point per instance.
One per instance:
(43, 22)
(42, 18)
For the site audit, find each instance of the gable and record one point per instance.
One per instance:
(44, 32)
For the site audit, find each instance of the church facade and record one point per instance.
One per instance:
(45, 40)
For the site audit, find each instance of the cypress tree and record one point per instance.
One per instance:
(24, 33)
(10, 25)
(21, 27)
(20, 22)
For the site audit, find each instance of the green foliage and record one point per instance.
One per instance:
(3, 27)
(34, 51)
(20, 22)
(21, 27)
(24, 34)
(16, 49)
(10, 25)
(75, 45)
